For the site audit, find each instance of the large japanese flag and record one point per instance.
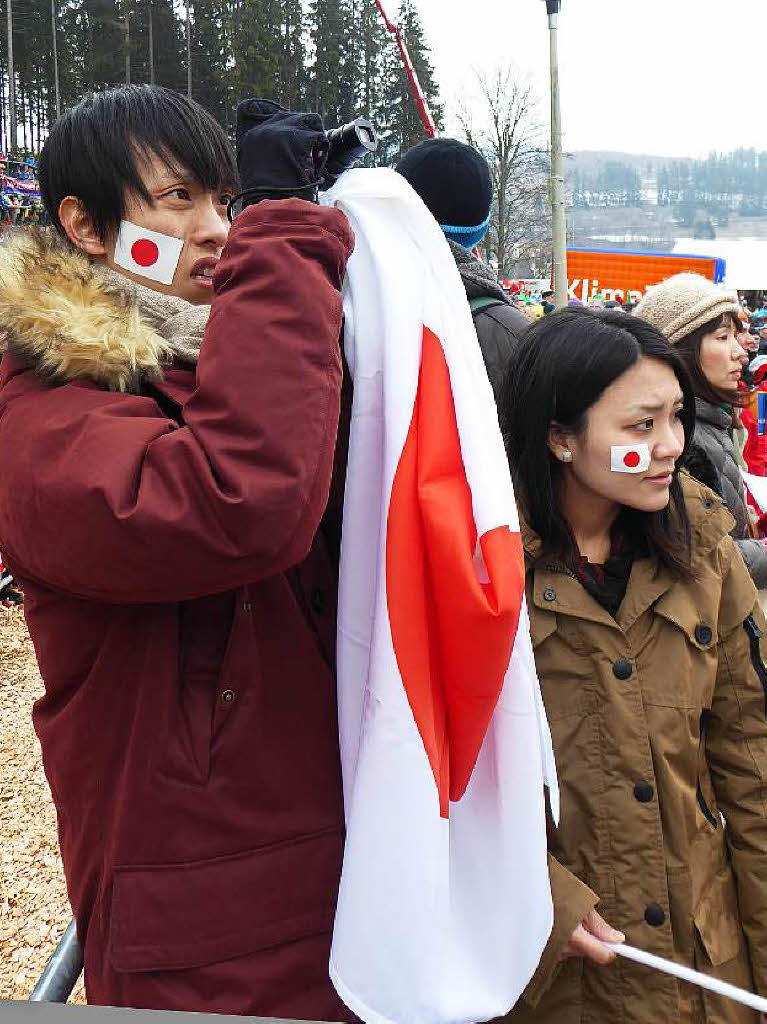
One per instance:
(444, 905)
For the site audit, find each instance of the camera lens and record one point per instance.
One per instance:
(347, 145)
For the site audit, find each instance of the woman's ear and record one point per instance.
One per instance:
(79, 227)
(559, 443)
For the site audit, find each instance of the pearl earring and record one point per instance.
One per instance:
(567, 456)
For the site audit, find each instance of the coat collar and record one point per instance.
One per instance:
(715, 415)
(66, 320)
(555, 588)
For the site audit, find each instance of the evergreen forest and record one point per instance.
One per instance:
(330, 56)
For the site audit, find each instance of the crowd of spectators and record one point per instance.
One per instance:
(20, 201)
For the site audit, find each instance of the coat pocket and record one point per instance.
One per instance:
(685, 648)
(704, 807)
(207, 629)
(172, 916)
(717, 918)
(704, 790)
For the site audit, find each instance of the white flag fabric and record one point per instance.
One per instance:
(444, 905)
(630, 458)
(148, 253)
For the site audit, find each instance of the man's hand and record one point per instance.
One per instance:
(588, 938)
(279, 153)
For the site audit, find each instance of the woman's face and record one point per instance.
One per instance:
(643, 406)
(721, 357)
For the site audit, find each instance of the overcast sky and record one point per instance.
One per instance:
(662, 77)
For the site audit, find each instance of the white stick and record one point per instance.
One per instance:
(723, 988)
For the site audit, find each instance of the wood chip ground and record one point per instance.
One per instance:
(34, 910)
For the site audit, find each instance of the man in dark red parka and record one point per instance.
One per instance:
(165, 478)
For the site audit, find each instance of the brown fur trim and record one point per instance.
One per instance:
(63, 319)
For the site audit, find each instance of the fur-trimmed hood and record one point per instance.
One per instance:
(68, 319)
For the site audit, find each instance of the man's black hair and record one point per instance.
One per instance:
(93, 149)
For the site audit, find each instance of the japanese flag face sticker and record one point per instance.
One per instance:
(629, 458)
(147, 253)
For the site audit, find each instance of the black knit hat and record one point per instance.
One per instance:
(453, 180)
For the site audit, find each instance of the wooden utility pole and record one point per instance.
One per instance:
(189, 48)
(127, 49)
(151, 44)
(13, 141)
(558, 217)
(55, 59)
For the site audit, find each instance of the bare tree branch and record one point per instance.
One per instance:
(503, 123)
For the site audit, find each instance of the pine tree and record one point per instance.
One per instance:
(334, 82)
(419, 50)
(104, 54)
(212, 60)
(255, 51)
(290, 38)
(29, 55)
(333, 56)
(169, 45)
(72, 41)
(373, 43)
(403, 126)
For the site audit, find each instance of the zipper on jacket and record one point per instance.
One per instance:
(705, 809)
(754, 633)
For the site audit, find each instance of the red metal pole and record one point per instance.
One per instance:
(412, 77)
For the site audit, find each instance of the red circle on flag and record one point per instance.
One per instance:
(144, 252)
(631, 460)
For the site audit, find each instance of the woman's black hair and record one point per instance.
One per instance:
(93, 149)
(689, 349)
(562, 365)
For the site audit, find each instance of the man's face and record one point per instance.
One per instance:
(182, 208)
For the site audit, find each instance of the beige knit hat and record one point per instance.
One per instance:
(683, 303)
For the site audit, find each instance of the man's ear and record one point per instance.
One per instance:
(79, 227)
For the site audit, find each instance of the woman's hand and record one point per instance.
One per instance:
(588, 938)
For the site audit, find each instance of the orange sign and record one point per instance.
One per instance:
(626, 276)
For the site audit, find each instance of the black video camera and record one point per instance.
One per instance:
(324, 163)
(347, 145)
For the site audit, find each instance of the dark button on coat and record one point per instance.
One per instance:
(643, 792)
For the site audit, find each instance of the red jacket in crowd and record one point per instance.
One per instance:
(181, 598)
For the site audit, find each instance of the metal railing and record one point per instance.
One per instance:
(65, 966)
(61, 972)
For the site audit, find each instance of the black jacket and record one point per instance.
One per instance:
(499, 326)
(499, 329)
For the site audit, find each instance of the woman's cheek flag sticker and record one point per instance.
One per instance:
(147, 253)
(629, 458)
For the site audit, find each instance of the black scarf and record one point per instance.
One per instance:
(607, 583)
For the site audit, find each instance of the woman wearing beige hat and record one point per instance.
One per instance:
(701, 321)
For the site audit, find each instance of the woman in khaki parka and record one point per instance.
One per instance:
(646, 630)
